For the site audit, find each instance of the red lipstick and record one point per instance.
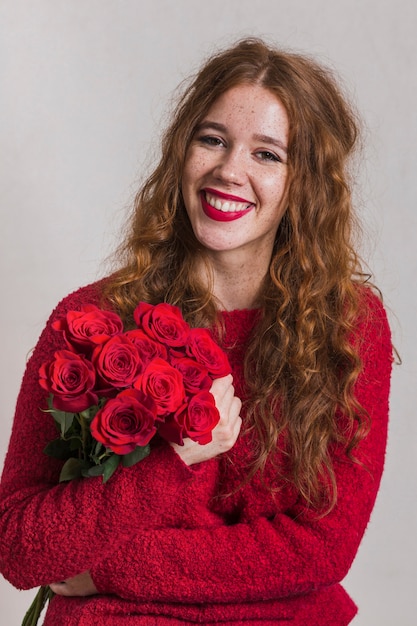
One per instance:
(223, 216)
(225, 196)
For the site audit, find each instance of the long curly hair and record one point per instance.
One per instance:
(300, 364)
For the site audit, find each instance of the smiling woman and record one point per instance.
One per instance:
(235, 171)
(245, 225)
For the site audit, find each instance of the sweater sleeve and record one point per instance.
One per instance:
(270, 557)
(49, 531)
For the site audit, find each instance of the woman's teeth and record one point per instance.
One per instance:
(226, 206)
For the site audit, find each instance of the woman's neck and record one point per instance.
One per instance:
(237, 285)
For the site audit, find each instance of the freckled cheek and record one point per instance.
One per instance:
(195, 161)
(273, 192)
(192, 174)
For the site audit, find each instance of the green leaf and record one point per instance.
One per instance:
(97, 449)
(75, 443)
(64, 419)
(110, 467)
(59, 449)
(89, 413)
(73, 468)
(96, 470)
(139, 453)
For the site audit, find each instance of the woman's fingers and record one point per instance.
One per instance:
(226, 432)
(80, 585)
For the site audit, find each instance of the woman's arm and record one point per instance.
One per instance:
(50, 532)
(293, 552)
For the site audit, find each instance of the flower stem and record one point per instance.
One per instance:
(85, 430)
(34, 612)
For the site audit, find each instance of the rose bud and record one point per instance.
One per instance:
(195, 420)
(164, 384)
(162, 322)
(117, 362)
(148, 348)
(125, 422)
(203, 348)
(70, 378)
(194, 374)
(88, 327)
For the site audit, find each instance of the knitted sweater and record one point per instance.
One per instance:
(160, 546)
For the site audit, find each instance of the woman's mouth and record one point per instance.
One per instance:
(223, 207)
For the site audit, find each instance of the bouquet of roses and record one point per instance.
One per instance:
(112, 390)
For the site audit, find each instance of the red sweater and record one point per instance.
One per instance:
(160, 547)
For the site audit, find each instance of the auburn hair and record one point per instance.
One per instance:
(301, 363)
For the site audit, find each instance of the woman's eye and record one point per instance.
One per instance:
(209, 140)
(265, 155)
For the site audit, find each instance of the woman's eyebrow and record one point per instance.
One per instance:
(207, 124)
(214, 125)
(271, 140)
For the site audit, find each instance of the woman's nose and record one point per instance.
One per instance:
(232, 167)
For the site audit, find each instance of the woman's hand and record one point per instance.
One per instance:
(80, 585)
(224, 438)
(226, 431)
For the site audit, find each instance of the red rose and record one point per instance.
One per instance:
(147, 347)
(164, 384)
(88, 327)
(71, 379)
(196, 421)
(162, 322)
(117, 362)
(203, 348)
(125, 422)
(194, 374)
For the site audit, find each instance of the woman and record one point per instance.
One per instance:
(246, 225)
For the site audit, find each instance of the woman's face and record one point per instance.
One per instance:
(234, 183)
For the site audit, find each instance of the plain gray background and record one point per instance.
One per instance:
(85, 85)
